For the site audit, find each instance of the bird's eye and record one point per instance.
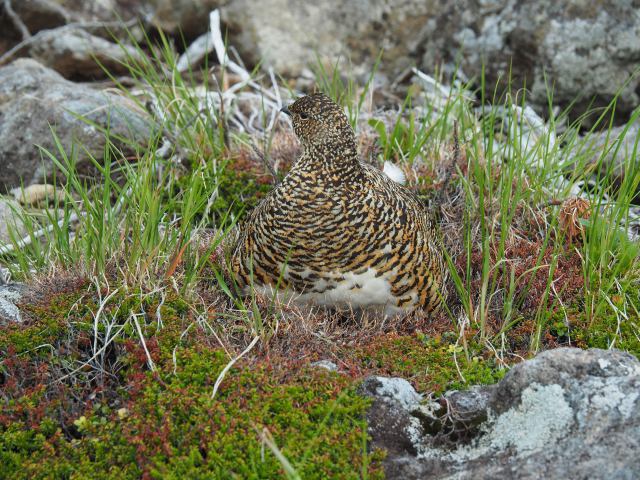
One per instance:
(304, 116)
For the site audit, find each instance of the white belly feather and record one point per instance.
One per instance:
(364, 290)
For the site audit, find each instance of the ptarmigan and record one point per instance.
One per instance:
(338, 232)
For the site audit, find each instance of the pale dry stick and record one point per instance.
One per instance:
(618, 313)
(230, 364)
(38, 234)
(254, 114)
(134, 316)
(238, 123)
(107, 332)
(216, 37)
(499, 357)
(223, 57)
(16, 20)
(163, 297)
(202, 320)
(455, 356)
(96, 316)
(198, 50)
(173, 353)
(275, 111)
(99, 352)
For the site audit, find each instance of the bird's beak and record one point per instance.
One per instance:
(285, 110)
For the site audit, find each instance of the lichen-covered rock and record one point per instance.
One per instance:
(568, 413)
(8, 220)
(577, 48)
(34, 100)
(10, 295)
(393, 424)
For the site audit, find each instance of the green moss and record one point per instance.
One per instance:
(237, 187)
(173, 429)
(165, 425)
(609, 330)
(429, 363)
(49, 325)
(618, 325)
(314, 416)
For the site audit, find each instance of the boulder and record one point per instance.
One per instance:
(8, 220)
(355, 30)
(568, 413)
(97, 10)
(35, 100)
(39, 14)
(10, 296)
(74, 53)
(579, 48)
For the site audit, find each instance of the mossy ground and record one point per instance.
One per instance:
(126, 421)
(115, 417)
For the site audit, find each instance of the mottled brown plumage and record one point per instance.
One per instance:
(338, 231)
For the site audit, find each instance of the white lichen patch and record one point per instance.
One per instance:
(609, 397)
(7, 307)
(542, 417)
(400, 390)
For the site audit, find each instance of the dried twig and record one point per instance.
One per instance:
(230, 364)
(198, 50)
(37, 234)
(16, 20)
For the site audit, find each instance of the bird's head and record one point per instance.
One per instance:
(320, 123)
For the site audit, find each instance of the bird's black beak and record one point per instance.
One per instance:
(285, 110)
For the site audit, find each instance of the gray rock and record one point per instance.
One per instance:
(10, 295)
(582, 48)
(8, 220)
(38, 15)
(74, 53)
(392, 423)
(98, 10)
(357, 30)
(566, 414)
(35, 99)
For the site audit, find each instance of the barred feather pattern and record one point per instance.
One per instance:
(340, 232)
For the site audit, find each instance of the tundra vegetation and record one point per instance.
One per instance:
(135, 358)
